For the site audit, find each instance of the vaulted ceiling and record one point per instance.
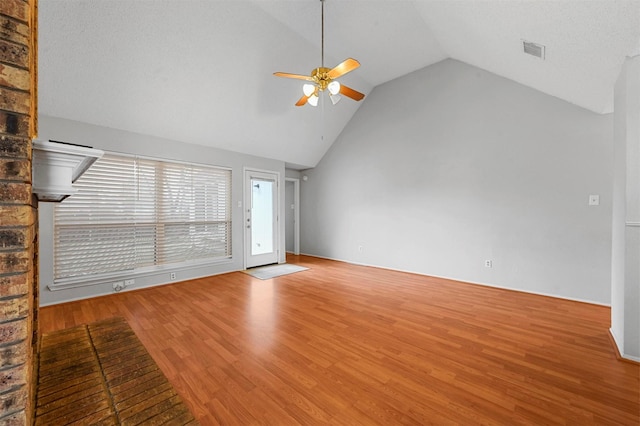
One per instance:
(201, 71)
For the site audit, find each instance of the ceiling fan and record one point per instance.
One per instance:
(323, 78)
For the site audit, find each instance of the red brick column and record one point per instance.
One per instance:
(18, 212)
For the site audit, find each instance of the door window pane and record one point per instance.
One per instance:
(262, 192)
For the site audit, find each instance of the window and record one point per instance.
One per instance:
(133, 215)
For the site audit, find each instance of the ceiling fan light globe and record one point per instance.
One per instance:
(313, 100)
(308, 89)
(334, 98)
(334, 88)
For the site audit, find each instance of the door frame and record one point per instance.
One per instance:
(296, 214)
(246, 195)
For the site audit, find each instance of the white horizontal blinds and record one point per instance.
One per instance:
(194, 213)
(133, 213)
(95, 228)
(146, 212)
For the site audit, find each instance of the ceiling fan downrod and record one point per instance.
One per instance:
(322, 35)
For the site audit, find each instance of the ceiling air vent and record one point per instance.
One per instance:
(534, 49)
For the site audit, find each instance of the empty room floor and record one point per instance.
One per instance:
(346, 344)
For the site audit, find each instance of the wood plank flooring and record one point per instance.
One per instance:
(100, 374)
(344, 344)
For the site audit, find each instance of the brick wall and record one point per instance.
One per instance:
(18, 213)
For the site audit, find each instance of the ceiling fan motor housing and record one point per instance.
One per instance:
(321, 78)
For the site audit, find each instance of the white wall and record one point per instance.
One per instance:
(625, 256)
(450, 166)
(149, 146)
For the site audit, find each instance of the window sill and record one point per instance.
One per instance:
(154, 271)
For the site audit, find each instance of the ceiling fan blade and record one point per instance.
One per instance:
(302, 100)
(350, 93)
(288, 75)
(346, 66)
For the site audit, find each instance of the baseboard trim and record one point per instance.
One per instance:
(555, 296)
(621, 357)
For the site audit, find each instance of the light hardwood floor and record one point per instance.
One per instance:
(344, 344)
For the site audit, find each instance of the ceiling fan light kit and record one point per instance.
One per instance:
(323, 78)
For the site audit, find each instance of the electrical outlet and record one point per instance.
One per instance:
(127, 283)
(118, 286)
(488, 263)
(173, 275)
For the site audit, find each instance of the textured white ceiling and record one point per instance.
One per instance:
(200, 71)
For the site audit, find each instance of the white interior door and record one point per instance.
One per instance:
(261, 218)
(292, 215)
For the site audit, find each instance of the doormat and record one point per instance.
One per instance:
(272, 271)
